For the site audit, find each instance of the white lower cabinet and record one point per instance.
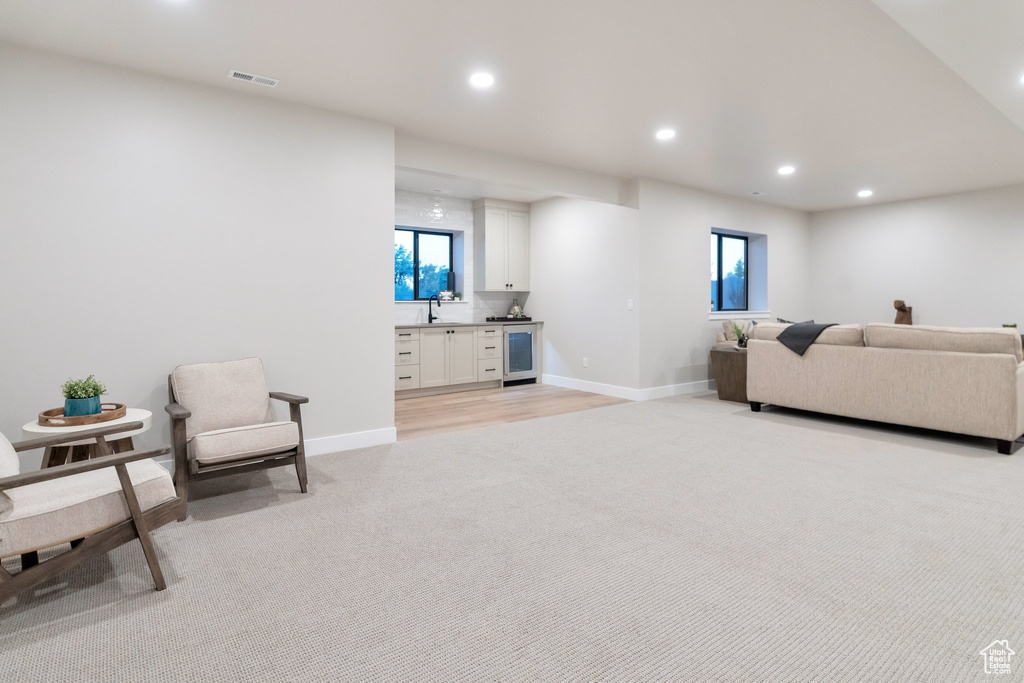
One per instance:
(488, 369)
(434, 357)
(407, 377)
(447, 356)
(462, 355)
(439, 356)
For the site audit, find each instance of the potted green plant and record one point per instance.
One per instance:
(741, 338)
(82, 396)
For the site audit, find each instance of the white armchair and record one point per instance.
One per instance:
(95, 505)
(222, 423)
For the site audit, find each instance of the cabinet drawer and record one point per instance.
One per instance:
(489, 369)
(494, 331)
(407, 352)
(407, 377)
(488, 348)
(407, 335)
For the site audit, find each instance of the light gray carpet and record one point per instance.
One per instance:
(685, 539)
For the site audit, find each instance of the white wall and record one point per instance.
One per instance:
(147, 222)
(449, 214)
(584, 266)
(675, 224)
(956, 259)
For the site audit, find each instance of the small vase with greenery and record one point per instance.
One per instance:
(82, 396)
(741, 338)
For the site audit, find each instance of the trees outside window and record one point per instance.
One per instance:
(422, 262)
(728, 272)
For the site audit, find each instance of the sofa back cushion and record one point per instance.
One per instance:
(9, 463)
(962, 339)
(222, 395)
(837, 335)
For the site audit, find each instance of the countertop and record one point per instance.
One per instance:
(510, 321)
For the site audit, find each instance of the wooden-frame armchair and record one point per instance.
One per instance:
(222, 423)
(96, 505)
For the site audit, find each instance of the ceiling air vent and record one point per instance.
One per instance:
(252, 78)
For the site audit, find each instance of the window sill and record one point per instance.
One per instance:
(423, 301)
(739, 315)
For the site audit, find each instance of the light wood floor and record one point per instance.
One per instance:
(429, 415)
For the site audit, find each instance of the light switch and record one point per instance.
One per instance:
(629, 304)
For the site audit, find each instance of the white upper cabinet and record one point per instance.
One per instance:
(518, 251)
(494, 237)
(501, 235)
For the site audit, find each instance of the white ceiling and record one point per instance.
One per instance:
(463, 188)
(982, 42)
(836, 88)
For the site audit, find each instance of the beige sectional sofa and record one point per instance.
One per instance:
(967, 381)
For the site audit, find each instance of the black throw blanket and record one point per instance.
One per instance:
(799, 337)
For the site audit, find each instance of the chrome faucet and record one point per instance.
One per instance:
(430, 310)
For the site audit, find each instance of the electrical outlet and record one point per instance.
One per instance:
(629, 304)
(585, 361)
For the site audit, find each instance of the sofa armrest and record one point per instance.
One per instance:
(1020, 399)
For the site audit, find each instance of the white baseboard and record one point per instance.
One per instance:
(627, 392)
(328, 444)
(348, 442)
(593, 387)
(674, 390)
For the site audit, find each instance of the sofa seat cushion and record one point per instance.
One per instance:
(236, 443)
(837, 335)
(961, 339)
(61, 510)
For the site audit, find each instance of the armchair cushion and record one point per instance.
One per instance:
(60, 510)
(9, 463)
(236, 443)
(222, 395)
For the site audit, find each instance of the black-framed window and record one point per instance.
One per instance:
(422, 262)
(729, 282)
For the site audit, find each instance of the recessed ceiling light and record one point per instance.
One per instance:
(787, 170)
(481, 79)
(665, 134)
(864, 194)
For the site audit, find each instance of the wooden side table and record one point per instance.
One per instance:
(730, 371)
(85, 449)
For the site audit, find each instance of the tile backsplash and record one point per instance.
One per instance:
(433, 212)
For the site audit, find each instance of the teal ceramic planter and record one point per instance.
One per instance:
(76, 407)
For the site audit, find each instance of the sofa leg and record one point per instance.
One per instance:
(755, 406)
(1003, 446)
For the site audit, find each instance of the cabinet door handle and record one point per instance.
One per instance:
(405, 334)
(490, 331)
(405, 353)
(487, 348)
(489, 370)
(406, 377)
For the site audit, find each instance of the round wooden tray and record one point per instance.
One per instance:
(55, 416)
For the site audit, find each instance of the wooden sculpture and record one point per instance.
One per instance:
(904, 313)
